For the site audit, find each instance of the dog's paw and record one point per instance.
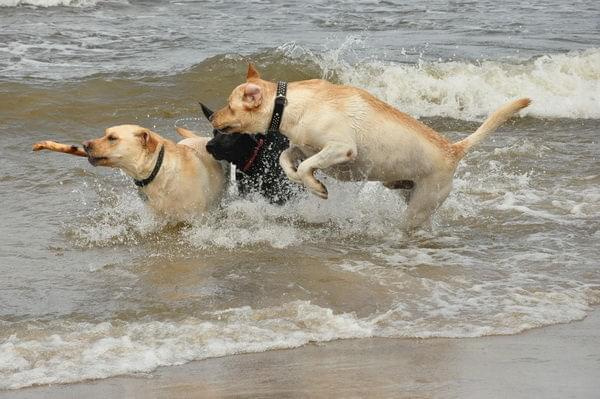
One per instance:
(320, 194)
(319, 190)
(291, 173)
(293, 176)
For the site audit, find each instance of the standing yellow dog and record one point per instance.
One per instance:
(351, 135)
(180, 180)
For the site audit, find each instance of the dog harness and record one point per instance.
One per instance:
(259, 144)
(149, 179)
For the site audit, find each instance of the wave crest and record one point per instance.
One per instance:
(561, 85)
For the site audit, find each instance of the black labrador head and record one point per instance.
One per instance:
(236, 148)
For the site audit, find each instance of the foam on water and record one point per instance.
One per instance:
(67, 351)
(349, 213)
(121, 217)
(483, 184)
(561, 85)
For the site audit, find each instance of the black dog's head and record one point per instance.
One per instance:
(256, 157)
(236, 148)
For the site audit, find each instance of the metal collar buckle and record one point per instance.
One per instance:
(281, 99)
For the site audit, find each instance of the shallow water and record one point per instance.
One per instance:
(93, 286)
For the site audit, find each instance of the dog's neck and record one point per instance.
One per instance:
(141, 168)
(296, 104)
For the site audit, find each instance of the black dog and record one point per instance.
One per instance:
(256, 157)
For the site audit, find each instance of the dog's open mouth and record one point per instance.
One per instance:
(97, 160)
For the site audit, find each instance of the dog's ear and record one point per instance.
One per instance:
(208, 113)
(252, 96)
(252, 73)
(148, 140)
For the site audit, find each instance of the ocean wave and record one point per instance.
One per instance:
(560, 85)
(563, 85)
(69, 351)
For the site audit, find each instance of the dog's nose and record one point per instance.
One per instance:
(87, 145)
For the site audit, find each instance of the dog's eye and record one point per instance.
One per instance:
(112, 138)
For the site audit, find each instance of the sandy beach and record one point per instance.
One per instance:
(561, 361)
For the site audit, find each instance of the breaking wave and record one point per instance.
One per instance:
(68, 351)
(560, 85)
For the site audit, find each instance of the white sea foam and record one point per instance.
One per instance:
(76, 351)
(563, 85)
(354, 210)
(68, 351)
(122, 216)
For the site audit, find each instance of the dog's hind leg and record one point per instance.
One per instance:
(288, 159)
(333, 153)
(428, 194)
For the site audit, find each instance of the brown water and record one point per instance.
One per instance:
(93, 286)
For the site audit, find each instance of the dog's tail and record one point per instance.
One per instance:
(493, 121)
(188, 134)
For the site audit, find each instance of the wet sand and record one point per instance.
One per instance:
(561, 361)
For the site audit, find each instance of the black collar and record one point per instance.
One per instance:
(280, 103)
(149, 179)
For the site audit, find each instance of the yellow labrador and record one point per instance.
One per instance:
(179, 180)
(351, 135)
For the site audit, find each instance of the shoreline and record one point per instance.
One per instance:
(551, 362)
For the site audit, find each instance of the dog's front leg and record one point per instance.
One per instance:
(333, 153)
(288, 159)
